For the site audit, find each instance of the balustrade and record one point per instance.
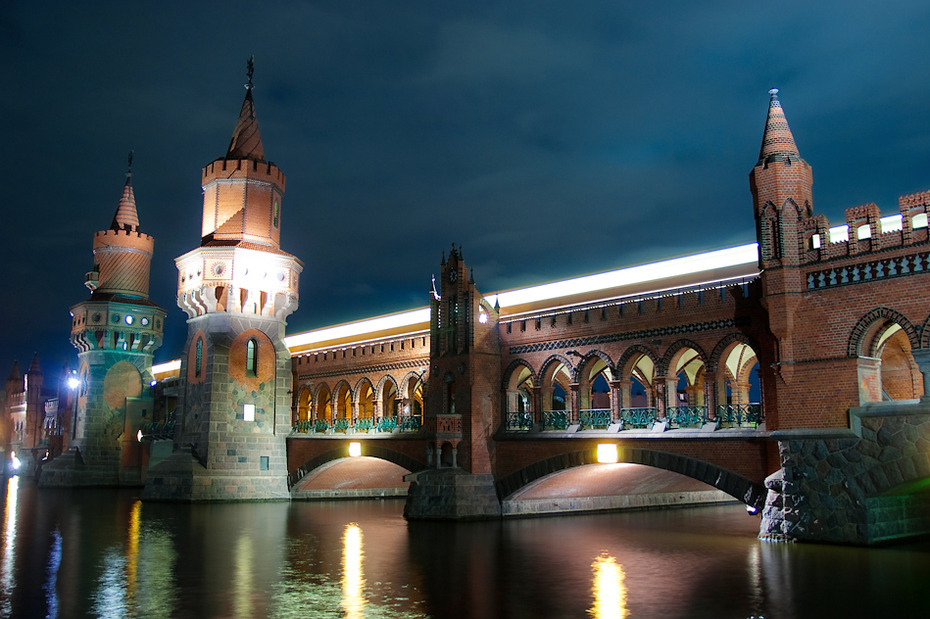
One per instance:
(642, 417)
(739, 415)
(594, 418)
(686, 416)
(555, 420)
(520, 421)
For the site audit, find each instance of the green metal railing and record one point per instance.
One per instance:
(363, 425)
(320, 426)
(594, 418)
(739, 415)
(686, 416)
(637, 417)
(156, 431)
(387, 424)
(409, 424)
(341, 425)
(556, 420)
(521, 420)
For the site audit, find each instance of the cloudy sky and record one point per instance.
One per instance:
(548, 138)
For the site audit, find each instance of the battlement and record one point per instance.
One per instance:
(865, 231)
(124, 238)
(241, 169)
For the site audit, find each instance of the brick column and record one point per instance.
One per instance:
(616, 393)
(537, 404)
(922, 357)
(574, 390)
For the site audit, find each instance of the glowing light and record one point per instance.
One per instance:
(607, 454)
(248, 412)
(687, 265)
(152, 383)
(353, 580)
(243, 579)
(751, 510)
(15, 462)
(167, 367)
(609, 589)
(362, 327)
(355, 450)
(482, 317)
(73, 382)
(132, 551)
(139, 436)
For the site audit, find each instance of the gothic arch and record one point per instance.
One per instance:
(511, 370)
(585, 361)
(737, 486)
(549, 362)
(359, 387)
(630, 353)
(862, 334)
(734, 338)
(379, 389)
(925, 334)
(664, 366)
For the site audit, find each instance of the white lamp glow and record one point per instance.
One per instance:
(607, 454)
(355, 450)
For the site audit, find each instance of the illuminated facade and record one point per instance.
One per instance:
(237, 289)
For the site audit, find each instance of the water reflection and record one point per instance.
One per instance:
(353, 582)
(7, 579)
(85, 553)
(609, 589)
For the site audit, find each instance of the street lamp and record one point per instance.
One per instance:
(73, 383)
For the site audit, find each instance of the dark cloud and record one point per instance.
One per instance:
(548, 139)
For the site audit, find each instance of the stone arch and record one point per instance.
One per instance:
(520, 389)
(375, 451)
(548, 378)
(511, 371)
(411, 390)
(304, 403)
(123, 380)
(716, 355)
(741, 488)
(323, 402)
(363, 398)
(925, 334)
(265, 359)
(863, 334)
(734, 386)
(630, 366)
(664, 366)
(197, 355)
(586, 375)
(587, 360)
(342, 400)
(387, 392)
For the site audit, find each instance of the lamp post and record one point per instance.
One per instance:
(73, 383)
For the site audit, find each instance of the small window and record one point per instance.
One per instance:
(277, 210)
(248, 412)
(251, 358)
(263, 462)
(919, 221)
(198, 360)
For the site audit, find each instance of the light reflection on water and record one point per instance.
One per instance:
(105, 554)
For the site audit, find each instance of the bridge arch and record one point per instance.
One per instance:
(863, 339)
(741, 488)
(889, 336)
(374, 451)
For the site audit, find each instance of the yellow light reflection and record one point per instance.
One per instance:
(609, 590)
(7, 581)
(132, 552)
(353, 580)
(607, 453)
(242, 601)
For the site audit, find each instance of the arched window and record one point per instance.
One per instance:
(251, 357)
(198, 359)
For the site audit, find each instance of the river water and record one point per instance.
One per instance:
(96, 553)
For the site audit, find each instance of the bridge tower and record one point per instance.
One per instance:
(782, 189)
(116, 332)
(237, 289)
(463, 401)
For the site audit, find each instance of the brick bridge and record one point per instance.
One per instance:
(789, 374)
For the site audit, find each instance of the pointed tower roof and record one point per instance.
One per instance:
(246, 142)
(35, 368)
(777, 142)
(126, 217)
(15, 375)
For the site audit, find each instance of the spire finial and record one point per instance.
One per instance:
(250, 70)
(129, 164)
(773, 91)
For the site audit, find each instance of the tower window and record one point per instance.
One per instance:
(277, 209)
(251, 358)
(198, 360)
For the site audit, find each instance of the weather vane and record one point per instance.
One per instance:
(250, 71)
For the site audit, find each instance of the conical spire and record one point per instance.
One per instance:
(246, 142)
(126, 217)
(35, 368)
(777, 142)
(15, 375)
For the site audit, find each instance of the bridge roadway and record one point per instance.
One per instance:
(734, 461)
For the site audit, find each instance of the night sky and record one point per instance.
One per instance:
(548, 139)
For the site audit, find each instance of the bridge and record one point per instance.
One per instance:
(790, 374)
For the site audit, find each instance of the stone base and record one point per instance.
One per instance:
(451, 494)
(70, 471)
(181, 477)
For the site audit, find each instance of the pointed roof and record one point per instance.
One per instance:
(777, 141)
(34, 368)
(126, 217)
(15, 374)
(246, 142)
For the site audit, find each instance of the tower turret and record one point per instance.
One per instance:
(781, 184)
(237, 289)
(116, 331)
